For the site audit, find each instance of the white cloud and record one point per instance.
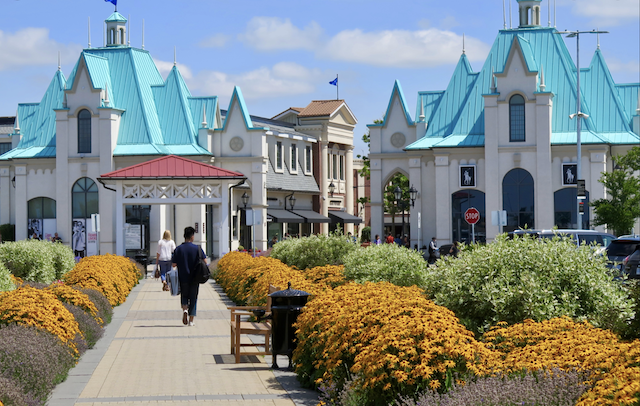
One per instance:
(402, 48)
(425, 47)
(271, 33)
(165, 67)
(32, 46)
(616, 65)
(606, 13)
(283, 79)
(215, 41)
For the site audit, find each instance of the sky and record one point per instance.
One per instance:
(284, 53)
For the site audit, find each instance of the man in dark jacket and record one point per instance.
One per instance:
(185, 257)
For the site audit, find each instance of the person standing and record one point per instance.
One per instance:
(184, 258)
(377, 240)
(166, 246)
(433, 248)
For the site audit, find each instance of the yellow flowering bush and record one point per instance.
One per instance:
(40, 308)
(73, 296)
(614, 366)
(112, 275)
(391, 338)
(332, 275)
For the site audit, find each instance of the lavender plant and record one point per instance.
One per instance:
(89, 327)
(105, 311)
(548, 388)
(34, 359)
(12, 394)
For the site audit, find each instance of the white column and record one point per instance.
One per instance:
(544, 207)
(492, 177)
(443, 199)
(377, 198)
(324, 184)
(349, 199)
(119, 226)
(5, 195)
(225, 245)
(21, 202)
(594, 187)
(415, 180)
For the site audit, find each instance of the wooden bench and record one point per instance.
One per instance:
(240, 324)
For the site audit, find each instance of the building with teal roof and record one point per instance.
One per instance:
(114, 111)
(504, 138)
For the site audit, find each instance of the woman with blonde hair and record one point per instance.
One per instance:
(166, 246)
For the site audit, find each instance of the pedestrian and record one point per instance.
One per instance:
(377, 240)
(35, 236)
(390, 239)
(273, 241)
(454, 249)
(405, 242)
(56, 238)
(433, 250)
(166, 246)
(185, 257)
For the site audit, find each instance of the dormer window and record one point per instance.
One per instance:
(84, 132)
(307, 159)
(279, 155)
(294, 158)
(516, 119)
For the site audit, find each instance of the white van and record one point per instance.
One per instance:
(582, 237)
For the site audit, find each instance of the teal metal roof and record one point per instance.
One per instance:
(158, 117)
(397, 90)
(116, 17)
(459, 110)
(237, 97)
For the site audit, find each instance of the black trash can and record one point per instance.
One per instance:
(143, 259)
(286, 305)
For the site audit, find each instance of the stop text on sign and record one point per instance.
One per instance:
(472, 215)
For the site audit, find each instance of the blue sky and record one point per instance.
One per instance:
(283, 53)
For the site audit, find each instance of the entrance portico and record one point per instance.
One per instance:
(173, 180)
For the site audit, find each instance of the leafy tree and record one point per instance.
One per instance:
(391, 206)
(621, 208)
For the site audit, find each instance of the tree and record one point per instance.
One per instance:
(621, 208)
(392, 206)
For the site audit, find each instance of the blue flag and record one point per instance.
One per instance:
(115, 2)
(333, 82)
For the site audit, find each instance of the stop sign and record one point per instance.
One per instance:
(472, 215)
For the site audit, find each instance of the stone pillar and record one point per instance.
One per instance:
(21, 202)
(544, 203)
(415, 180)
(119, 223)
(596, 190)
(324, 184)
(224, 220)
(492, 174)
(349, 193)
(377, 198)
(443, 199)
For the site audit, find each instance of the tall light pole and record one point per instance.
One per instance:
(578, 113)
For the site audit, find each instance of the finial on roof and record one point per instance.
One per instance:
(463, 42)
(16, 129)
(89, 31)
(143, 33)
(504, 16)
(493, 82)
(510, 22)
(106, 95)
(204, 116)
(598, 37)
(422, 116)
(129, 30)
(174, 56)
(554, 13)
(542, 85)
(58, 60)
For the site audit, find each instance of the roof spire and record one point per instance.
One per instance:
(174, 56)
(204, 116)
(542, 85)
(16, 129)
(554, 13)
(504, 16)
(58, 60)
(422, 116)
(494, 89)
(598, 37)
(129, 30)
(89, 31)
(463, 43)
(106, 95)
(549, 13)
(143, 33)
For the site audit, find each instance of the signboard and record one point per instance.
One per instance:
(92, 243)
(472, 215)
(499, 217)
(569, 174)
(132, 236)
(467, 176)
(582, 192)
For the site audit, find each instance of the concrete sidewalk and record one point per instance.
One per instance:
(148, 356)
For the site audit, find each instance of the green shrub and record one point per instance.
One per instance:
(63, 258)
(366, 235)
(513, 280)
(631, 329)
(385, 263)
(317, 250)
(8, 232)
(31, 260)
(5, 279)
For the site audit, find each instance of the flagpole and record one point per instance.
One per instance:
(337, 87)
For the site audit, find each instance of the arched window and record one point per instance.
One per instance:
(42, 214)
(518, 199)
(566, 209)
(460, 202)
(516, 118)
(84, 131)
(84, 203)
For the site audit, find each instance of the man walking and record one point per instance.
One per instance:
(185, 257)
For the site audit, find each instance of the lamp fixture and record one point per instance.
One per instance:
(245, 199)
(413, 193)
(397, 193)
(13, 182)
(292, 201)
(332, 188)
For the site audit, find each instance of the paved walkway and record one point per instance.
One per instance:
(147, 356)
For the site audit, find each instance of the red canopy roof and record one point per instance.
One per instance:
(171, 166)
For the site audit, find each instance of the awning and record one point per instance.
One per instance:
(312, 216)
(344, 217)
(284, 216)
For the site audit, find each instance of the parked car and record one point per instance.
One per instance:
(581, 237)
(630, 264)
(620, 249)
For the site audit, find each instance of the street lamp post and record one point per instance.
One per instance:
(579, 114)
(413, 194)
